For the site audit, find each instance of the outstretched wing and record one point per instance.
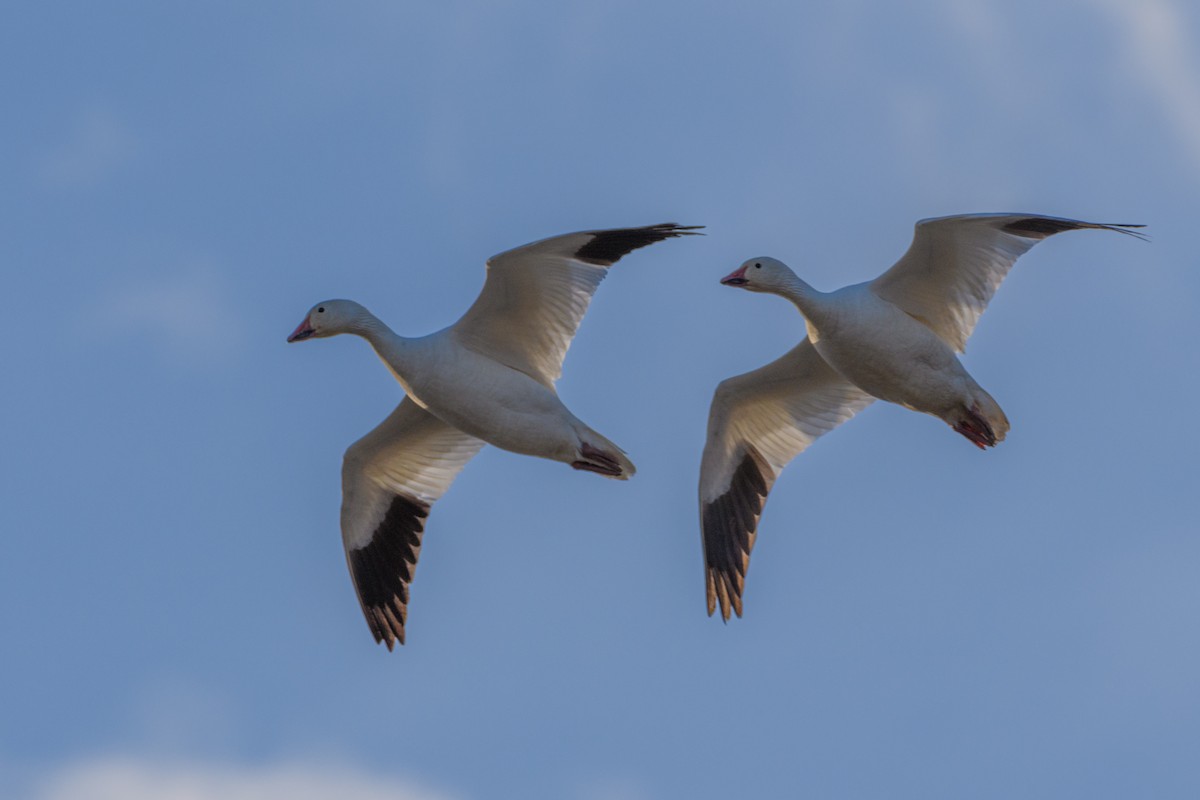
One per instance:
(955, 264)
(758, 423)
(390, 478)
(536, 295)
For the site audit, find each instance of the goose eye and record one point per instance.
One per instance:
(758, 266)
(321, 310)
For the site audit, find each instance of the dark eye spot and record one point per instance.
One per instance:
(758, 266)
(321, 310)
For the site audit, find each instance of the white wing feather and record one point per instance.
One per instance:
(955, 264)
(390, 478)
(536, 295)
(758, 423)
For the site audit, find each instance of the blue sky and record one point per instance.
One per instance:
(181, 182)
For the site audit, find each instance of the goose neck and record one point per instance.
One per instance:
(392, 348)
(802, 295)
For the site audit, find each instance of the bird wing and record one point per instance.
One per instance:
(536, 295)
(758, 423)
(955, 264)
(390, 478)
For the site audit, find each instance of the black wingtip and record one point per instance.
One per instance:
(1124, 227)
(729, 527)
(608, 247)
(383, 569)
(1042, 227)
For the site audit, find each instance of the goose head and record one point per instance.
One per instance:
(763, 274)
(329, 319)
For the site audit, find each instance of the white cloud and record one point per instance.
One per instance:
(189, 311)
(131, 778)
(1161, 51)
(172, 714)
(986, 36)
(97, 146)
(614, 789)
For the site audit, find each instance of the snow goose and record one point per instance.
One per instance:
(488, 378)
(893, 338)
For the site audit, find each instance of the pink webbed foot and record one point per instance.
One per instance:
(597, 461)
(976, 429)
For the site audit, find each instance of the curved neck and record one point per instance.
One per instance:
(393, 350)
(803, 296)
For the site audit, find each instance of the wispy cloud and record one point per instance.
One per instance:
(189, 311)
(931, 119)
(97, 145)
(614, 789)
(986, 33)
(132, 778)
(1160, 49)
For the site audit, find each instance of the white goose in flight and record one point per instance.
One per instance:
(488, 378)
(893, 338)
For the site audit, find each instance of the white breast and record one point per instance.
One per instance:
(888, 353)
(487, 399)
